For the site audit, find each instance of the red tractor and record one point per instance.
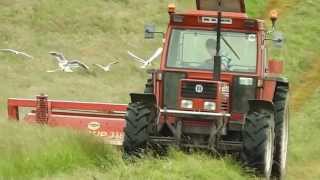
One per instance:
(216, 90)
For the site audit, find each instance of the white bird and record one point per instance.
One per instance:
(107, 67)
(147, 62)
(66, 65)
(17, 52)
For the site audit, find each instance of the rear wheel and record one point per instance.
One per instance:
(138, 127)
(258, 137)
(281, 132)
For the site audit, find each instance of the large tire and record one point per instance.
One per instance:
(139, 119)
(281, 101)
(258, 142)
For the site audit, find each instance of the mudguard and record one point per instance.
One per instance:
(147, 98)
(260, 104)
(281, 81)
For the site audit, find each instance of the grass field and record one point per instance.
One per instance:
(99, 31)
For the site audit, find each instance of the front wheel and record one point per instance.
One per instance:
(138, 122)
(281, 102)
(258, 138)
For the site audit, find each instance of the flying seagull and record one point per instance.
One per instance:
(17, 52)
(147, 62)
(107, 67)
(66, 65)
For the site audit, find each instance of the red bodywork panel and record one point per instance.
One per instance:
(101, 119)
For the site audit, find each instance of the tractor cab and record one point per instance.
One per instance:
(187, 82)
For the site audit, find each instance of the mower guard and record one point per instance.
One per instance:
(100, 119)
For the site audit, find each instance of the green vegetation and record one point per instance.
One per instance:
(40, 152)
(304, 160)
(301, 27)
(176, 166)
(99, 31)
(31, 151)
(256, 8)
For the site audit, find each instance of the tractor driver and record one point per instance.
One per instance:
(211, 46)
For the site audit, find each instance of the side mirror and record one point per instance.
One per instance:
(149, 30)
(278, 39)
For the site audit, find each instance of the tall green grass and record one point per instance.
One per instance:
(176, 165)
(34, 152)
(30, 151)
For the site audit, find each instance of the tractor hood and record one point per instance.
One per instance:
(226, 5)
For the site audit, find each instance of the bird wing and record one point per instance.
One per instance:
(100, 66)
(8, 50)
(155, 55)
(59, 56)
(115, 62)
(17, 52)
(25, 54)
(136, 57)
(79, 63)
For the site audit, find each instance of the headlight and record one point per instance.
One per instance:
(210, 106)
(246, 81)
(225, 90)
(186, 104)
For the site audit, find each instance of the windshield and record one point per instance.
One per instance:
(195, 49)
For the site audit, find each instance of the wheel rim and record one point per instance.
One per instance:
(284, 143)
(268, 153)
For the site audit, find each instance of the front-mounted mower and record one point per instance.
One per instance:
(216, 89)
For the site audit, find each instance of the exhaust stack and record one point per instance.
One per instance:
(217, 57)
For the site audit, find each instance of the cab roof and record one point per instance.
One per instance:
(226, 5)
(236, 15)
(203, 18)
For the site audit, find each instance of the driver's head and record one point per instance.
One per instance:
(211, 46)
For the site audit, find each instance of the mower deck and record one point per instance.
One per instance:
(100, 119)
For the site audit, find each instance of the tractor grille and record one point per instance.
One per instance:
(209, 91)
(224, 106)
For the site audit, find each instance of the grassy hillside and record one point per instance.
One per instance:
(94, 31)
(99, 31)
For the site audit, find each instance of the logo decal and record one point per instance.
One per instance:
(93, 126)
(199, 88)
